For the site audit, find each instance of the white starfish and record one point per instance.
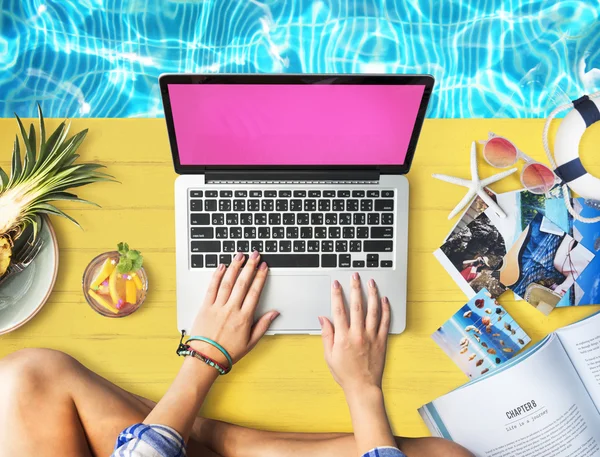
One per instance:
(476, 186)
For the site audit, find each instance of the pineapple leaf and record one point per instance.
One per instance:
(55, 196)
(29, 151)
(47, 208)
(46, 172)
(55, 143)
(48, 146)
(72, 159)
(29, 159)
(15, 172)
(42, 127)
(3, 179)
(34, 223)
(80, 182)
(32, 143)
(72, 145)
(63, 152)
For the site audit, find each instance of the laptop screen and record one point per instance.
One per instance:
(293, 124)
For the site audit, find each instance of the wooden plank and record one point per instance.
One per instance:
(286, 374)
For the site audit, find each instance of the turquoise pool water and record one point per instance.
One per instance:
(101, 58)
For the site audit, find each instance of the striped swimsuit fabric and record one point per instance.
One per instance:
(143, 440)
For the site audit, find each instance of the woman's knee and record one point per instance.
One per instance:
(36, 366)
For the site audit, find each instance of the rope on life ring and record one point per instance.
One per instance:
(568, 166)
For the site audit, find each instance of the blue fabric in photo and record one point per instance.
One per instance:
(537, 258)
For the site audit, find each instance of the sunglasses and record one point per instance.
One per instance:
(536, 177)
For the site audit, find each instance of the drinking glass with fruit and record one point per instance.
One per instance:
(115, 283)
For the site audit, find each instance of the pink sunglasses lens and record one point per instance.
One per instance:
(500, 153)
(537, 178)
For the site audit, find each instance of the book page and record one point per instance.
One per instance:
(582, 344)
(536, 408)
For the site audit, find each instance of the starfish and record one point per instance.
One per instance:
(476, 186)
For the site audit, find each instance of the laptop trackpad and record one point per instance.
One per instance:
(299, 299)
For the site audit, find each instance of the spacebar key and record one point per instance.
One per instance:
(291, 260)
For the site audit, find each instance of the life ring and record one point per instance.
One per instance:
(566, 148)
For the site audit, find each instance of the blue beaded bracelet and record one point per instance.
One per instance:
(185, 350)
(214, 344)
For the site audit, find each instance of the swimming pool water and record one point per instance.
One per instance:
(102, 58)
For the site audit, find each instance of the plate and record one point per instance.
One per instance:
(23, 295)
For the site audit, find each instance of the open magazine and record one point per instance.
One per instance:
(544, 402)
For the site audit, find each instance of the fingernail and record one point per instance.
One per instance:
(263, 266)
(371, 283)
(386, 301)
(239, 256)
(254, 254)
(274, 316)
(355, 276)
(336, 284)
(321, 321)
(221, 267)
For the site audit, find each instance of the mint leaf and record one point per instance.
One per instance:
(124, 265)
(122, 248)
(137, 263)
(129, 260)
(133, 255)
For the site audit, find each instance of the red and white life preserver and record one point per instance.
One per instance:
(566, 161)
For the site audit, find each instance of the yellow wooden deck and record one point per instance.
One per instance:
(284, 383)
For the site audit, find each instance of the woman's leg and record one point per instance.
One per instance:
(233, 441)
(52, 405)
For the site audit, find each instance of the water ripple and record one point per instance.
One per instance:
(102, 58)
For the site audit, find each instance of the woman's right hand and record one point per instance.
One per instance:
(355, 348)
(227, 314)
(355, 352)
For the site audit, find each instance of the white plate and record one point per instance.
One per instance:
(23, 295)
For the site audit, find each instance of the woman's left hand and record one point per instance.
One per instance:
(227, 314)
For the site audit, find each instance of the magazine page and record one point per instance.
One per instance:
(536, 408)
(582, 343)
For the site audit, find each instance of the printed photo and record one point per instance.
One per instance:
(587, 285)
(521, 207)
(477, 207)
(543, 265)
(473, 255)
(481, 336)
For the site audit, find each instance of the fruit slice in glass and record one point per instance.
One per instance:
(111, 293)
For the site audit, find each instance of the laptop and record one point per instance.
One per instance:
(306, 169)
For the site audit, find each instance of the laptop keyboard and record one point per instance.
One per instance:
(328, 228)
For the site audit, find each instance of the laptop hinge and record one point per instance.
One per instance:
(287, 176)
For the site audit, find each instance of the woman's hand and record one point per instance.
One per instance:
(227, 317)
(355, 349)
(355, 353)
(227, 314)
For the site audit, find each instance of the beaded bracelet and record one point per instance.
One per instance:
(214, 344)
(186, 350)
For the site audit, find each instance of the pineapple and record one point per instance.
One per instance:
(47, 170)
(5, 255)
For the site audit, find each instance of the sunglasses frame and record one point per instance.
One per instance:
(520, 155)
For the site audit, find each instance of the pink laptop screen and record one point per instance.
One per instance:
(285, 124)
